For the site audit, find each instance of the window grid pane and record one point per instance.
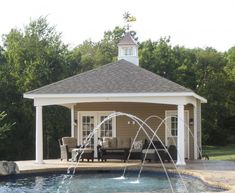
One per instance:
(174, 124)
(106, 128)
(87, 128)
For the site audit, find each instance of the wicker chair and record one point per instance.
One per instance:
(70, 150)
(67, 144)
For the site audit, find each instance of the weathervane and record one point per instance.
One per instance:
(128, 18)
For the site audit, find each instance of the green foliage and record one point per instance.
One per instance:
(212, 83)
(56, 124)
(157, 57)
(95, 54)
(34, 57)
(5, 128)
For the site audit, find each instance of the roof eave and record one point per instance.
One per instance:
(127, 44)
(91, 95)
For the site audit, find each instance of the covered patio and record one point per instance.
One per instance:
(102, 96)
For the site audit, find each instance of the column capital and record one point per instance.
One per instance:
(38, 106)
(180, 105)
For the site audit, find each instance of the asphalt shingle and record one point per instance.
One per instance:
(127, 40)
(118, 77)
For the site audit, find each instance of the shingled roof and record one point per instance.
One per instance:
(127, 40)
(117, 77)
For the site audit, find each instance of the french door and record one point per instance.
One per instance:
(87, 123)
(172, 130)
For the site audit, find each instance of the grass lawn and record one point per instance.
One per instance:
(220, 152)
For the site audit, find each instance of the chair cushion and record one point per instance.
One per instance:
(71, 142)
(138, 144)
(123, 142)
(86, 150)
(136, 150)
(150, 151)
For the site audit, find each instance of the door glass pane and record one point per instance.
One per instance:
(92, 120)
(106, 127)
(87, 128)
(174, 126)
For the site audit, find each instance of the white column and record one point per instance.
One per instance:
(39, 135)
(72, 121)
(199, 126)
(195, 132)
(180, 137)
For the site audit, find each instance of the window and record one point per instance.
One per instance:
(89, 120)
(87, 128)
(106, 127)
(128, 51)
(174, 124)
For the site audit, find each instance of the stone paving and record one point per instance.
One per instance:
(219, 173)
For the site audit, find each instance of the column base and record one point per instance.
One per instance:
(181, 163)
(39, 162)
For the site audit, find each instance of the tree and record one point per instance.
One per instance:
(4, 127)
(229, 123)
(212, 84)
(95, 54)
(230, 67)
(158, 57)
(35, 56)
(5, 131)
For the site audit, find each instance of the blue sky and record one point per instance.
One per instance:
(190, 23)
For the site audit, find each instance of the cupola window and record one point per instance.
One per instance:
(128, 51)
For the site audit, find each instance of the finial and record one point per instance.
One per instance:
(128, 18)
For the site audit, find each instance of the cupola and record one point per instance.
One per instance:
(128, 49)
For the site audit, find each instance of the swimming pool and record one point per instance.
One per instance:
(102, 182)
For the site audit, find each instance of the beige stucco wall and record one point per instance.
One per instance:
(141, 110)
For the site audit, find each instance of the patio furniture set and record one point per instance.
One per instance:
(116, 148)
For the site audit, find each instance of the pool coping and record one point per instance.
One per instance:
(30, 167)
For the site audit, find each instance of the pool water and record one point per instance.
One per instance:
(102, 182)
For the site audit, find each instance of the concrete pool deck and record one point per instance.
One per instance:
(218, 173)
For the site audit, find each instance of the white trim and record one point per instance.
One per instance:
(137, 99)
(78, 129)
(187, 122)
(169, 94)
(195, 132)
(106, 113)
(180, 136)
(72, 121)
(39, 136)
